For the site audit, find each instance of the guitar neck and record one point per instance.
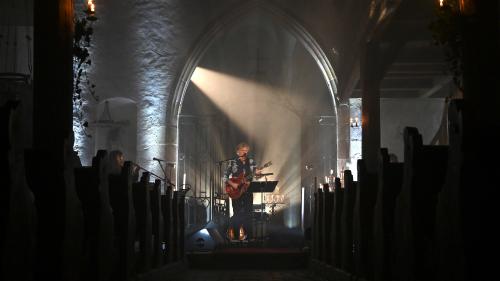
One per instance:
(251, 174)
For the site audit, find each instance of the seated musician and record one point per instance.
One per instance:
(116, 163)
(242, 206)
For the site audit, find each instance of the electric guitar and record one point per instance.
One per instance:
(243, 182)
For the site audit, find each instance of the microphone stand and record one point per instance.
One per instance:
(153, 174)
(166, 179)
(163, 170)
(221, 173)
(262, 209)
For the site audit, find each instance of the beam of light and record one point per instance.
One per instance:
(235, 97)
(271, 125)
(203, 106)
(302, 198)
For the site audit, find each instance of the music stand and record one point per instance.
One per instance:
(262, 186)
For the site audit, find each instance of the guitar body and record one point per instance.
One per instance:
(243, 183)
(235, 193)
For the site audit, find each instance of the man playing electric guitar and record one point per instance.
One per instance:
(241, 167)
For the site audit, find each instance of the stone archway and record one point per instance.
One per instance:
(291, 25)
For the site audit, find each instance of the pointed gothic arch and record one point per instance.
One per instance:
(224, 22)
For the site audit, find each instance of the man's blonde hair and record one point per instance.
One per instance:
(241, 145)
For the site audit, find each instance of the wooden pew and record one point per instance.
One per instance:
(314, 228)
(60, 226)
(168, 221)
(389, 185)
(414, 221)
(121, 199)
(157, 225)
(319, 225)
(17, 207)
(175, 227)
(178, 225)
(336, 223)
(346, 225)
(93, 191)
(451, 206)
(328, 205)
(142, 206)
(181, 194)
(363, 222)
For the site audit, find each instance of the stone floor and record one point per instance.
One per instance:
(282, 258)
(245, 275)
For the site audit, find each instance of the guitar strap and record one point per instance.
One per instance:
(246, 168)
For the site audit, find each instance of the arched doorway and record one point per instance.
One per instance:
(257, 82)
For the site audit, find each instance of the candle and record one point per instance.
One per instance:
(91, 5)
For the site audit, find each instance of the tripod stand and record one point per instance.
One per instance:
(261, 186)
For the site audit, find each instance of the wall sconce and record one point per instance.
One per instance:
(355, 123)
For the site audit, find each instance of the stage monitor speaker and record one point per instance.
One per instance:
(204, 240)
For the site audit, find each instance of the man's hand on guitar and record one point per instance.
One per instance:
(233, 185)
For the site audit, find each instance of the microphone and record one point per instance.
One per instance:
(226, 160)
(159, 160)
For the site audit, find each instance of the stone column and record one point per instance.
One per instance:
(53, 75)
(343, 138)
(49, 165)
(171, 151)
(370, 119)
(481, 57)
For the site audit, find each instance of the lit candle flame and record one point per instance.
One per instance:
(242, 235)
(441, 3)
(91, 5)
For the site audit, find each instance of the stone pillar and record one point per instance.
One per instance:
(50, 164)
(480, 71)
(481, 57)
(370, 119)
(343, 139)
(171, 151)
(307, 168)
(53, 75)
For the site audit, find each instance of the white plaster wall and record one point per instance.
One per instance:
(140, 47)
(395, 114)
